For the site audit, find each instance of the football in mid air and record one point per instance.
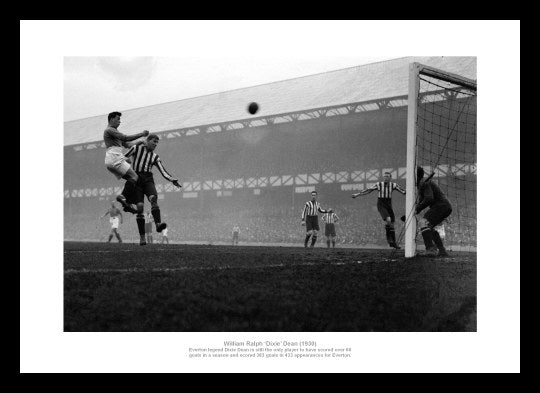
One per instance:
(253, 108)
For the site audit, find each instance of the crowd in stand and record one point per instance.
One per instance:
(85, 227)
(310, 148)
(359, 225)
(354, 227)
(289, 163)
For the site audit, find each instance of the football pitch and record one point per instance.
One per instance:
(185, 288)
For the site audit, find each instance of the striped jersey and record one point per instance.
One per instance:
(330, 218)
(386, 189)
(143, 160)
(311, 208)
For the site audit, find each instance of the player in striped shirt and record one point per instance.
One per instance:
(384, 204)
(143, 159)
(431, 196)
(330, 220)
(310, 218)
(115, 161)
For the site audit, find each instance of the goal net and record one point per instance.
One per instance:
(441, 138)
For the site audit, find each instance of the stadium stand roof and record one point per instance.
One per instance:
(350, 85)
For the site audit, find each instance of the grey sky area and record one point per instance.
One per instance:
(98, 85)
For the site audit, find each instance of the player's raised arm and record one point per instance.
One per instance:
(365, 192)
(321, 210)
(398, 188)
(105, 215)
(130, 138)
(136, 142)
(113, 133)
(166, 174)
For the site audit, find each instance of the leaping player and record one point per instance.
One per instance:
(384, 205)
(144, 159)
(116, 162)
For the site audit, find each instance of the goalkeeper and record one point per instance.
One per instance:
(431, 196)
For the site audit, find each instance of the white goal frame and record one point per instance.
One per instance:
(415, 70)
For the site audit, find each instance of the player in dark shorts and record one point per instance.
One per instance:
(310, 218)
(384, 205)
(431, 196)
(330, 220)
(144, 159)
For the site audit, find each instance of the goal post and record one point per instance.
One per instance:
(410, 196)
(441, 138)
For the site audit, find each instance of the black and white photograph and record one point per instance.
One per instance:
(270, 207)
(304, 177)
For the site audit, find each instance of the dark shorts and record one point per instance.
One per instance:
(312, 223)
(437, 213)
(148, 227)
(384, 206)
(329, 230)
(145, 186)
